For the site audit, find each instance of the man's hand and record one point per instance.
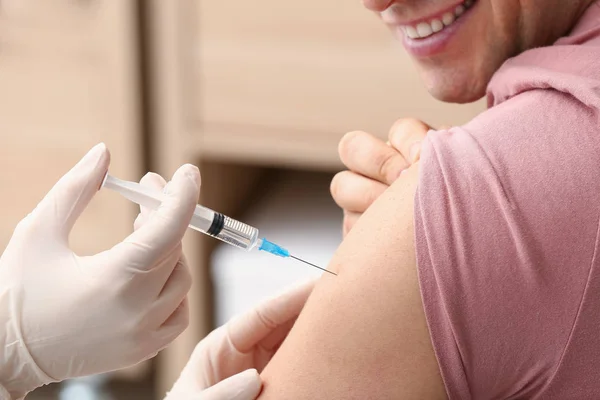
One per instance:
(374, 165)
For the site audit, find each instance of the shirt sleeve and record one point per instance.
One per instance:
(506, 220)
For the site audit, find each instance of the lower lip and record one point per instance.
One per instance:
(435, 43)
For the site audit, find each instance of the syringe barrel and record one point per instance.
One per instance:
(204, 219)
(222, 227)
(238, 234)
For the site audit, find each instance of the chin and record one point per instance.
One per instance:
(454, 95)
(458, 87)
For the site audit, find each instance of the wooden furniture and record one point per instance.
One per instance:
(68, 80)
(267, 84)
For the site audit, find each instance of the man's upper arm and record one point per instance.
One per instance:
(506, 228)
(363, 334)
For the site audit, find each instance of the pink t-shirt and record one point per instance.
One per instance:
(507, 218)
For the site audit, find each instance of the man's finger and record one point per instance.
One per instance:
(406, 136)
(354, 192)
(350, 219)
(367, 155)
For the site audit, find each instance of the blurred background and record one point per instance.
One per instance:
(256, 94)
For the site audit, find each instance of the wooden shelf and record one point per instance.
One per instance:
(267, 146)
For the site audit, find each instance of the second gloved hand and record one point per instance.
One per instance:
(66, 316)
(225, 365)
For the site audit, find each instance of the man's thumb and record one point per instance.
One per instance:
(65, 202)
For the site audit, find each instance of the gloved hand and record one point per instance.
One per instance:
(225, 365)
(374, 165)
(66, 316)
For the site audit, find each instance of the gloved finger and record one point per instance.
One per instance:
(246, 330)
(243, 386)
(350, 219)
(367, 155)
(174, 292)
(154, 280)
(406, 136)
(153, 181)
(198, 373)
(354, 192)
(174, 325)
(166, 227)
(65, 202)
(140, 220)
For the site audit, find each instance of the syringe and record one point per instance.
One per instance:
(204, 220)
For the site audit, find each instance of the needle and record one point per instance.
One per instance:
(313, 265)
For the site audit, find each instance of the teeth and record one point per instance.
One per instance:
(448, 18)
(426, 29)
(437, 25)
(411, 32)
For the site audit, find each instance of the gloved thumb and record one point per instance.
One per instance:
(65, 202)
(243, 386)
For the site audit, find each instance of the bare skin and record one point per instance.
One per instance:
(363, 334)
(374, 165)
(494, 31)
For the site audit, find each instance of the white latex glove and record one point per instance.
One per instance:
(65, 316)
(225, 365)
